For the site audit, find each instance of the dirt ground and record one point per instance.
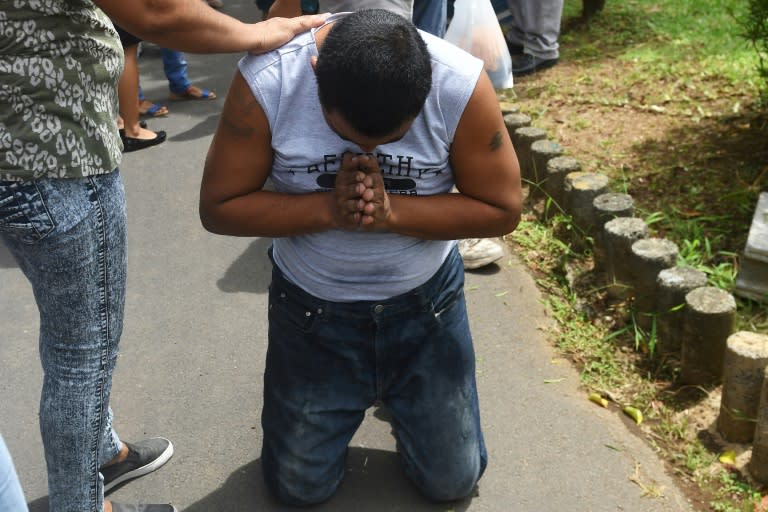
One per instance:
(702, 157)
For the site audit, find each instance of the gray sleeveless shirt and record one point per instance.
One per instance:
(346, 266)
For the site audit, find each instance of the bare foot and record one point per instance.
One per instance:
(137, 132)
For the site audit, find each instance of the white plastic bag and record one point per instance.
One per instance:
(474, 28)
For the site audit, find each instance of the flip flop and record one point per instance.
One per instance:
(193, 92)
(147, 108)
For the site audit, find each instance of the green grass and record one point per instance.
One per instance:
(696, 184)
(669, 35)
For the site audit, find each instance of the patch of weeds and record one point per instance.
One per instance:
(672, 429)
(660, 97)
(581, 124)
(734, 493)
(601, 369)
(753, 316)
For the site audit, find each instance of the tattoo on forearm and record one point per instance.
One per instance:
(495, 141)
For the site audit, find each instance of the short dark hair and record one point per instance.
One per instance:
(375, 70)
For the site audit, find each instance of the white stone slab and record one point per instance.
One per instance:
(757, 242)
(752, 280)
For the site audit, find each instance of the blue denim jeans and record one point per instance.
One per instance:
(11, 496)
(327, 362)
(68, 237)
(431, 16)
(175, 68)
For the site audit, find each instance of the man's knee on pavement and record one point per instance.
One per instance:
(296, 483)
(449, 483)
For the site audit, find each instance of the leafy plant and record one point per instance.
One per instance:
(755, 30)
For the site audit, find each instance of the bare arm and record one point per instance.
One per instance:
(487, 176)
(233, 202)
(232, 199)
(191, 25)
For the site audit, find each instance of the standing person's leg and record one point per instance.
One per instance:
(175, 69)
(134, 136)
(436, 419)
(68, 236)
(535, 27)
(431, 16)
(11, 495)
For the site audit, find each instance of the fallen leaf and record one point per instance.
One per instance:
(598, 399)
(727, 457)
(633, 413)
(554, 381)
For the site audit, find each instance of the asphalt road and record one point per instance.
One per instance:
(192, 357)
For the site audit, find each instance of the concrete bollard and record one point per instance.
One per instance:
(618, 236)
(613, 204)
(648, 257)
(507, 107)
(609, 206)
(513, 122)
(708, 320)
(758, 464)
(580, 190)
(672, 285)
(554, 186)
(542, 151)
(744, 363)
(523, 139)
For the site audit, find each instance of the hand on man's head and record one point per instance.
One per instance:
(275, 32)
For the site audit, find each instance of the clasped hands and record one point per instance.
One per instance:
(360, 200)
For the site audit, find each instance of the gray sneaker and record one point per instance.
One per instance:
(121, 507)
(479, 252)
(143, 457)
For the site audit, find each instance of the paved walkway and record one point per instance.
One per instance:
(193, 353)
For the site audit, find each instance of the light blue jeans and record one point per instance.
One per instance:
(327, 362)
(11, 496)
(68, 237)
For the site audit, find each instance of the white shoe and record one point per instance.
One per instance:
(479, 252)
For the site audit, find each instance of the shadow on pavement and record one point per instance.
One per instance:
(251, 272)
(6, 259)
(374, 483)
(487, 270)
(203, 129)
(39, 505)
